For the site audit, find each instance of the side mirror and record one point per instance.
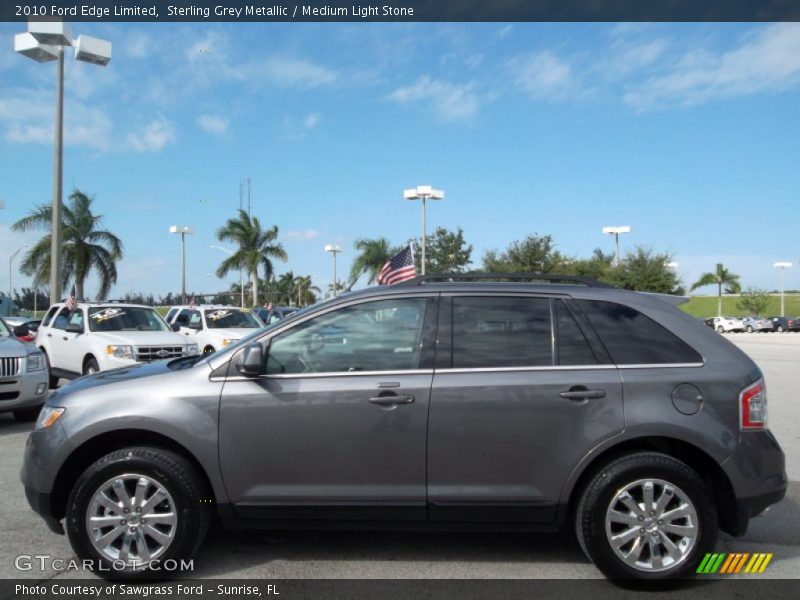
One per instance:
(175, 327)
(252, 364)
(74, 328)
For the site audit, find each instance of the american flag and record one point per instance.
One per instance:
(399, 267)
(71, 299)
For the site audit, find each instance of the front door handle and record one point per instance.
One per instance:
(392, 399)
(579, 392)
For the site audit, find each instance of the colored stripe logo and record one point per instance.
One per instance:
(735, 562)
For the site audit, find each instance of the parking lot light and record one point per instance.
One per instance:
(184, 231)
(782, 265)
(616, 231)
(333, 249)
(424, 193)
(44, 42)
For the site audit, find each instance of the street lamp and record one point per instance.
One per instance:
(183, 230)
(615, 231)
(230, 252)
(45, 41)
(333, 250)
(11, 260)
(782, 265)
(424, 193)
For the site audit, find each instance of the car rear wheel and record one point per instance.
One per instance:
(780, 329)
(135, 506)
(749, 329)
(208, 350)
(721, 329)
(647, 516)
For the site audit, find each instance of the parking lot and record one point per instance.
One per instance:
(428, 555)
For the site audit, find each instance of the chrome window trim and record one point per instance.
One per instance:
(524, 369)
(664, 366)
(327, 374)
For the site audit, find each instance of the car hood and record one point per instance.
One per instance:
(232, 333)
(11, 347)
(141, 338)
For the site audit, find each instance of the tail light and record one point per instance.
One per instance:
(753, 403)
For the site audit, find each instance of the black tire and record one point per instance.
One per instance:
(208, 350)
(780, 329)
(590, 515)
(90, 366)
(720, 329)
(749, 329)
(26, 415)
(175, 473)
(52, 380)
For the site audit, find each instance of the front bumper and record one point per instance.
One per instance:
(20, 391)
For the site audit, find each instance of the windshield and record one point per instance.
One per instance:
(125, 318)
(4, 330)
(230, 318)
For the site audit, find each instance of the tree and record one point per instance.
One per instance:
(304, 291)
(447, 251)
(86, 246)
(257, 247)
(644, 270)
(373, 254)
(721, 276)
(283, 290)
(533, 254)
(599, 266)
(754, 302)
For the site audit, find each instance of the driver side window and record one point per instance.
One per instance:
(383, 335)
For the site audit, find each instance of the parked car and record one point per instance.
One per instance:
(566, 405)
(97, 336)
(752, 324)
(727, 324)
(785, 323)
(213, 327)
(273, 315)
(23, 328)
(23, 376)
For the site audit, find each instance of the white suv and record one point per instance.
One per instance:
(213, 327)
(97, 336)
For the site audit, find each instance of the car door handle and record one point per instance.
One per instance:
(579, 392)
(49, 335)
(392, 399)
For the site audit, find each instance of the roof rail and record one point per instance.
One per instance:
(548, 277)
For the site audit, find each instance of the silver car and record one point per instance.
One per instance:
(752, 324)
(23, 376)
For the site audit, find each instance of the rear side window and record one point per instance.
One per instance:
(631, 338)
(490, 332)
(573, 348)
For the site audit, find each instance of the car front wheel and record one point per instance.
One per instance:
(135, 506)
(647, 516)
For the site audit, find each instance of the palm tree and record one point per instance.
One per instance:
(373, 255)
(305, 291)
(284, 288)
(86, 246)
(256, 247)
(721, 276)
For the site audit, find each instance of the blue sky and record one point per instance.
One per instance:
(689, 133)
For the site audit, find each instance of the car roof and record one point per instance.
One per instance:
(205, 307)
(108, 304)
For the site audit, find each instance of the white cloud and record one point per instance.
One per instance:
(312, 120)
(450, 102)
(293, 72)
(153, 136)
(766, 61)
(215, 124)
(543, 75)
(304, 235)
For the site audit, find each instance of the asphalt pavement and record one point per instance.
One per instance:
(390, 555)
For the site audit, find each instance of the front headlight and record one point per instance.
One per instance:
(228, 342)
(120, 351)
(35, 362)
(191, 349)
(48, 416)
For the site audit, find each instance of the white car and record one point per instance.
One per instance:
(97, 336)
(23, 376)
(213, 327)
(727, 324)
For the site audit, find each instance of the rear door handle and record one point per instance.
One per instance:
(392, 399)
(579, 392)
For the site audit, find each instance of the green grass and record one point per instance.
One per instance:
(706, 306)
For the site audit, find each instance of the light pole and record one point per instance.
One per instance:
(230, 252)
(424, 193)
(616, 231)
(333, 250)
(782, 265)
(45, 41)
(183, 230)
(11, 260)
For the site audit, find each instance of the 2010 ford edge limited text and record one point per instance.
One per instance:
(430, 404)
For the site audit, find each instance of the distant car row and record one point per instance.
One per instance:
(753, 324)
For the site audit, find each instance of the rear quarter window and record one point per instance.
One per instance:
(632, 338)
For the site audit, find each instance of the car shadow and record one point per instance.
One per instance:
(9, 425)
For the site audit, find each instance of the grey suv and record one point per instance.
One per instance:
(560, 404)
